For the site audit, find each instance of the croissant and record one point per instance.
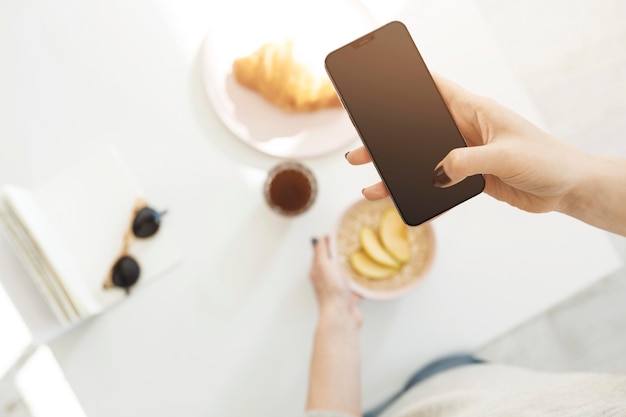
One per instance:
(275, 72)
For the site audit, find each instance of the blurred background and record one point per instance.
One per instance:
(75, 75)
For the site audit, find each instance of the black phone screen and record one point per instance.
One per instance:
(401, 118)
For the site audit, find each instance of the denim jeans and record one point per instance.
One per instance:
(434, 368)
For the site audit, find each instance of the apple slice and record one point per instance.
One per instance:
(393, 235)
(372, 246)
(367, 267)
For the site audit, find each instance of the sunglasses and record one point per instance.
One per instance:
(145, 224)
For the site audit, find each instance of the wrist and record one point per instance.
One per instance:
(337, 315)
(597, 198)
(586, 184)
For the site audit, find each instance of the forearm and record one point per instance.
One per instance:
(334, 380)
(600, 197)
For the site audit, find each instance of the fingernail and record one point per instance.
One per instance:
(314, 241)
(440, 178)
(346, 155)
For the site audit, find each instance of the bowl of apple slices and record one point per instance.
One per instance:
(382, 257)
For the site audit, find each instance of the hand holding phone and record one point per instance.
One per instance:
(401, 118)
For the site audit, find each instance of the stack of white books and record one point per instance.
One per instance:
(69, 232)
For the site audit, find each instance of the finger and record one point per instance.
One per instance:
(460, 163)
(448, 89)
(462, 105)
(321, 253)
(326, 240)
(358, 156)
(376, 191)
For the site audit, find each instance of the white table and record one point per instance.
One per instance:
(229, 331)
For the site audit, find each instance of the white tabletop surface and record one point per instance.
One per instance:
(229, 331)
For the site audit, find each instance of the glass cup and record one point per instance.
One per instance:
(290, 188)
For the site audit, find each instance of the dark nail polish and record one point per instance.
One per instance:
(314, 241)
(440, 178)
(346, 155)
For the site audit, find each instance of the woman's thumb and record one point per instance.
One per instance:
(460, 163)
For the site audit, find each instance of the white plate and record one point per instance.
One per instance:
(250, 117)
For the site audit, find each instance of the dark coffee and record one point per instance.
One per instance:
(290, 188)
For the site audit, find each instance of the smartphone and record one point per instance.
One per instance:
(397, 110)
